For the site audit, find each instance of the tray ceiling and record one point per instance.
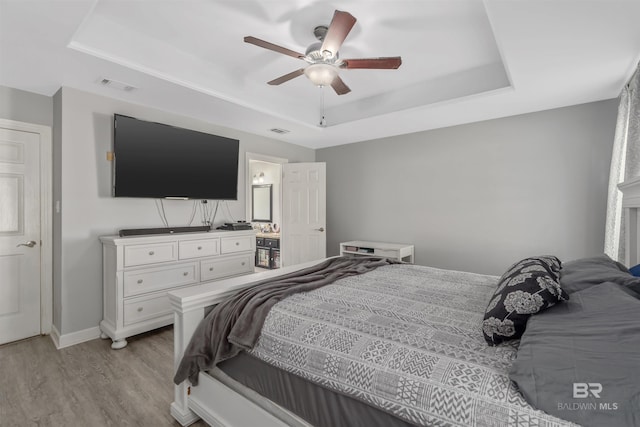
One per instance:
(463, 60)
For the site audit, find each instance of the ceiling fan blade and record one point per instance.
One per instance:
(338, 85)
(274, 47)
(287, 77)
(340, 26)
(376, 63)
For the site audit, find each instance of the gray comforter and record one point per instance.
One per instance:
(406, 339)
(235, 324)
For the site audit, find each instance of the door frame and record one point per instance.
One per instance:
(46, 217)
(249, 182)
(249, 179)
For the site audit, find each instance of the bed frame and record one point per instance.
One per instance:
(221, 406)
(631, 204)
(211, 400)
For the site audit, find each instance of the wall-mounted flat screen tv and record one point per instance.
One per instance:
(161, 161)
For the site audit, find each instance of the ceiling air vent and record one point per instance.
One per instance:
(116, 85)
(278, 130)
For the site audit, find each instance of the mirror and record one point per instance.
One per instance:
(261, 203)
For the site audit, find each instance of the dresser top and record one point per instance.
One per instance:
(269, 235)
(151, 238)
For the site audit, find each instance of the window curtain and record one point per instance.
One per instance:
(625, 164)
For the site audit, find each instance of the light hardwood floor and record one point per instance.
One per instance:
(88, 384)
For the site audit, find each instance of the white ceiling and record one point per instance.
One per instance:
(463, 60)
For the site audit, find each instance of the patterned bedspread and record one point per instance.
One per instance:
(406, 339)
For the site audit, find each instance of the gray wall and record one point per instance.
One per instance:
(477, 197)
(26, 107)
(474, 197)
(88, 210)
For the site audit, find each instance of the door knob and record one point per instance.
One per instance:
(321, 229)
(30, 243)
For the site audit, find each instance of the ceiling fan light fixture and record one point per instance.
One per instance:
(323, 55)
(321, 74)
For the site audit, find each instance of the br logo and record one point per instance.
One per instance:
(583, 390)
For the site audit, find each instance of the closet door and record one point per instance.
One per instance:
(304, 213)
(19, 234)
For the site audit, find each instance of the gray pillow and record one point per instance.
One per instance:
(586, 272)
(587, 347)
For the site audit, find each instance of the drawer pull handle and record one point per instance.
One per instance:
(186, 273)
(243, 262)
(199, 248)
(151, 252)
(210, 268)
(237, 243)
(139, 281)
(140, 309)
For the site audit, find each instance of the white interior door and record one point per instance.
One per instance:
(19, 234)
(304, 213)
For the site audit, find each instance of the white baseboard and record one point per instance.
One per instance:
(67, 340)
(55, 336)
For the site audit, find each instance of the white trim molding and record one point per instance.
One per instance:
(249, 157)
(55, 336)
(46, 217)
(67, 340)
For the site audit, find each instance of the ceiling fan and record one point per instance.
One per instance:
(322, 56)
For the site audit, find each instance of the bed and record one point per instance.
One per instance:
(402, 345)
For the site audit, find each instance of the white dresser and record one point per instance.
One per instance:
(139, 270)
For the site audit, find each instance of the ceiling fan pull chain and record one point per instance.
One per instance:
(323, 122)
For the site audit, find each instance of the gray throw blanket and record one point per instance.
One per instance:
(235, 324)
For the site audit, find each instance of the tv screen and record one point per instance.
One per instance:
(161, 161)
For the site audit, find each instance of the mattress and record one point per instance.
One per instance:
(319, 406)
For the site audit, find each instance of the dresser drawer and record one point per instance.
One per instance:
(272, 243)
(229, 245)
(198, 248)
(154, 279)
(216, 269)
(140, 309)
(149, 253)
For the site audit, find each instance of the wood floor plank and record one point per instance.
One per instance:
(88, 384)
